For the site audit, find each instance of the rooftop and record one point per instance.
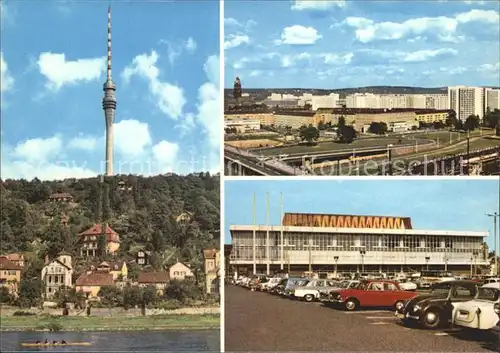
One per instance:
(6, 264)
(111, 235)
(153, 277)
(95, 279)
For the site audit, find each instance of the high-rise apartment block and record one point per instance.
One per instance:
(492, 98)
(467, 101)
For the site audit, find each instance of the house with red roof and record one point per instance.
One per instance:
(158, 279)
(89, 240)
(10, 274)
(91, 283)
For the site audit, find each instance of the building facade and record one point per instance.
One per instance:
(242, 125)
(57, 273)
(180, 271)
(89, 240)
(467, 101)
(492, 98)
(10, 275)
(212, 270)
(350, 243)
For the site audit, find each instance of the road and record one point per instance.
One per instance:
(257, 321)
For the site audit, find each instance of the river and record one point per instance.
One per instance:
(131, 341)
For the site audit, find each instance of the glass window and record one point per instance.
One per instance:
(376, 286)
(461, 292)
(390, 287)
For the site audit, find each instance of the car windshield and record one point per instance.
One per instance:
(440, 289)
(344, 284)
(490, 294)
(302, 282)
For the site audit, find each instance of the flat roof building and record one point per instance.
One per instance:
(352, 243)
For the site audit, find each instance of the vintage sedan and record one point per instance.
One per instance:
(482, 312)
(372, 293)
(435, 309)
(312, 290)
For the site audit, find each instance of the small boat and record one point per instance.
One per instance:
(67, 344)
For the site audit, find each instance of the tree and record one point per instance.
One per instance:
(492, 118)
(471, 123)
(345, 133)
(378, 128)
(5, 296)
(183, 290)
(111, 296)
(438, 125)
(149, 295)
(69, 295)
(101, 244)
(131, 297)
(30, 292)
(451, 119)
(309, 134)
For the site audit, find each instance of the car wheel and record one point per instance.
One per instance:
(351, 304)
(309, 298)
(431, 319)
(399, 305)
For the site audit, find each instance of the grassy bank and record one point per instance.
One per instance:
(110, 323)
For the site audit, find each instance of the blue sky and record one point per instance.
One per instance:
(431, 204)
(166, 69)
(353, 43)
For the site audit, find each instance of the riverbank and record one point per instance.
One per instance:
(109, 323)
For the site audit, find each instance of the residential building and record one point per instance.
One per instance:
(118, 269)
(243, 125)
(91, 283)
(17, 259)
(398, 126)
(57, 273)
(330, 101)
(61, 197)
(437, 101)
(142, 257)
(353, 243)
(492, 98)
(89, 240)
(467, 101)
(10, 275)
(180, 271)
(430, 116)
(212, 270)
(158, 279)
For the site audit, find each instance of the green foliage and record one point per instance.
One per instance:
(378, 128)
(345, 133)
(181, 291)
(143, 216)
(309, 134)
(5, 296)
(69, 295)
(149, 295)
(30, 293)
(471, 123)
(132, 297)
(111, 296)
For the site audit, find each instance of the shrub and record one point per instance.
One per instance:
(23, 313)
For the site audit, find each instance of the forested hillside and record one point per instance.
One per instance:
(144, 211)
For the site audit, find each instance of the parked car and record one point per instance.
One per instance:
(407, 285)
(293, 282)
(483, 312)
(312, 290)
(280, 288)
(435, 309)
(273, 282)
(327, 297)
(372, 293)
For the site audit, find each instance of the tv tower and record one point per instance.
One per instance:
(109, 105)
(237, 90)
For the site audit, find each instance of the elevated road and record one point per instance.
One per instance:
(242, 162)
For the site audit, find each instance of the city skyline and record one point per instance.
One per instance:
(166, 70)
(314, 44)
(462, 205)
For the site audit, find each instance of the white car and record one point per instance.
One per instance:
(409, 286)
(273, 282)
(481, 313)
(311, 291)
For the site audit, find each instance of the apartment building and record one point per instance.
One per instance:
(492, 98)
(467, 101)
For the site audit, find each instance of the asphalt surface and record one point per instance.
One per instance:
(256, 321)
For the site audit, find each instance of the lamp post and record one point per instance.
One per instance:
(389, 156)
(336, 258)
(495, 216)
(471, 266)
(362, 253)
(427, 258)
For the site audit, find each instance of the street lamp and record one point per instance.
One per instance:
(495, 216)
(336, 258)
(389, 156)
(362, 253)
(427, 258)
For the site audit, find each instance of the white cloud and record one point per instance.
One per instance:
(425, 55)
(444, 28)
(490, 68)
(59, 72)
(233, 23)
(298, 35)
(169, 97)
(165, 154)
(300, 5)
(86, 143)
(191, 45)
(132, 137)
(235, 40)
(337, 59)
(475, 2)
(42, 158)
(6, 80)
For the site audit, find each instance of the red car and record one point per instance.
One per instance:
(372, 293)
